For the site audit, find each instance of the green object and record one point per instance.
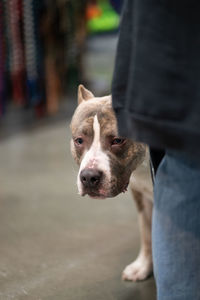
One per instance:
(108, 21)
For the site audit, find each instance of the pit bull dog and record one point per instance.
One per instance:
(108, 164)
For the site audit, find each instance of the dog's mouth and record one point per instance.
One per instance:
(103, 194)
(95, 194)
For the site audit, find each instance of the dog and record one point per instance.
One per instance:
(109, 164)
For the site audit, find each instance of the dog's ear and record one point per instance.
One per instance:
(84, 94)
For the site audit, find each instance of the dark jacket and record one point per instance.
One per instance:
(156, 82)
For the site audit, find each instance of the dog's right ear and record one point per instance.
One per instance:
(84, 94)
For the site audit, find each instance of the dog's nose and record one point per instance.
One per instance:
(90, 178)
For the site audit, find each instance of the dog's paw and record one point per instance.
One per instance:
(139, 270)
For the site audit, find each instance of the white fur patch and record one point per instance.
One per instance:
(95, 158)
(140, 269)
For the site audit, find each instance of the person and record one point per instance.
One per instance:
(156, 98)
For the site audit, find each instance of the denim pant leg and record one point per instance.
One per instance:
(176, 228)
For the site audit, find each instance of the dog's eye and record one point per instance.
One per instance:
(118, 141)
(79, 141)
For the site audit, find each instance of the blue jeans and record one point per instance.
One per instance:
(176, 228)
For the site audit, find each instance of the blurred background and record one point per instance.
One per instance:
(53, 243)
(46, 49)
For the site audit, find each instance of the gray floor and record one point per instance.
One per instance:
(53, 243)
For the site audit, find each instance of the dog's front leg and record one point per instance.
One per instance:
(142, 267)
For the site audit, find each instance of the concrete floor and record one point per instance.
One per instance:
(53, 243)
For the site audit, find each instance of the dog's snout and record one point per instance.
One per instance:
(90, 178)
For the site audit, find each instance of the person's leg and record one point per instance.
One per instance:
(176, 228)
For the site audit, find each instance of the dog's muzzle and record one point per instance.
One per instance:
(95, 184)
(91, 178)
(92, 183)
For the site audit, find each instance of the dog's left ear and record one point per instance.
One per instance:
(84, 94)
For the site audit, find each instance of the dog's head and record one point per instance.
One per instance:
(106, 159)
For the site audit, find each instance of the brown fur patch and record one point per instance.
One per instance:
(87, 110)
